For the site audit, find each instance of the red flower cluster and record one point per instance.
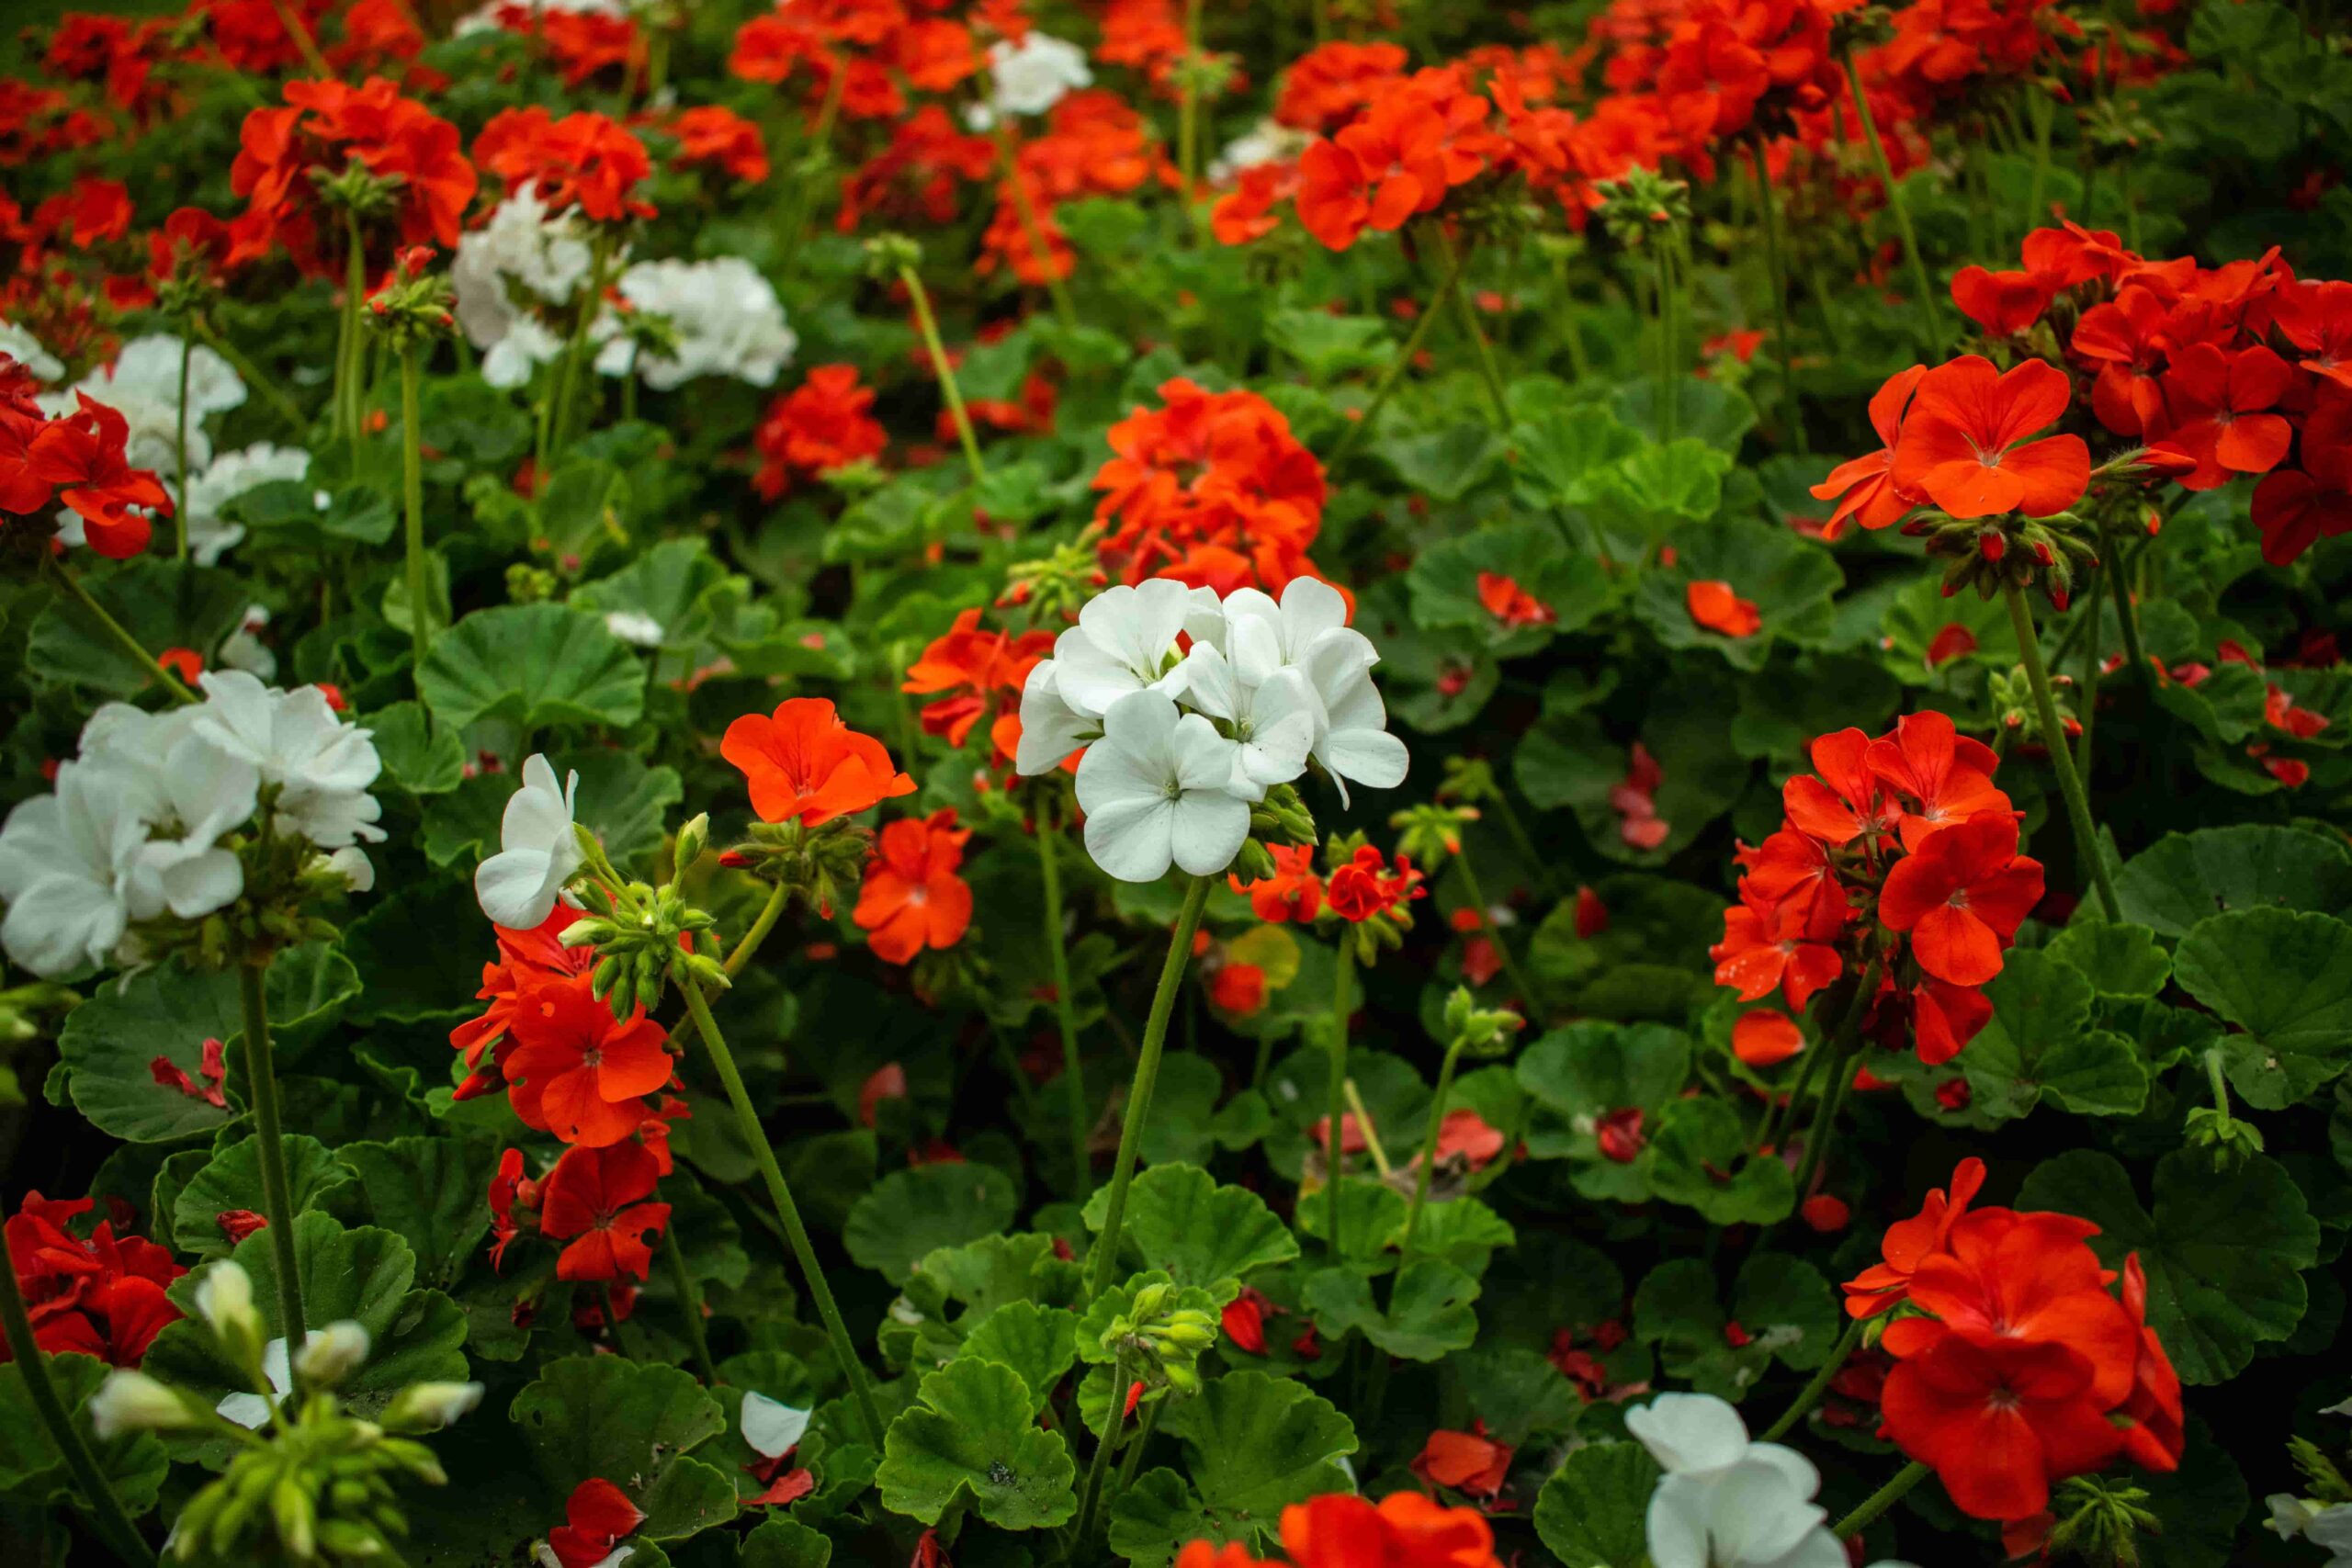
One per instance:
(805, 765)
(1369, 885)
(1210, 489)
(974, 674)
(583, 159)
(918, 177)
(101, 1297)
(1419, 138)
(912, 899)
(1094, 144)
(1901, 837)
(1293, 893)
(326, 128)
(77, 461)
(595, 1202)
(1340, 1530)
(570, 1067)
(2013, 1366)
(1959, 439)
(817, 427)
(717, 137)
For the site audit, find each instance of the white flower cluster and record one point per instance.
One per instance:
(1029, 77)
(726, 318)
(134, 828)
(24, 348)
(1179, 747)
(222, 480)
(1268, 141)
(523, 257)
(1724, 1501)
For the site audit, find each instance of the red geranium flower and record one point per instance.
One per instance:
(1964, 444)
(2216, 401)
(584, 158)
(1909, 1243)
(817, 427)
(324, 127)
(806, 765)
(1998, 1420)
(1961, 894)
(1865, 486)
(593, 1194)
(1771, 946)
(1947, 776)
(578, 1072)
(1293, 893)
(103, 1297)
(1714, 606)
(912, 899)
(83, 455)
(2295, 508)
(596, 1516)
(716, 135)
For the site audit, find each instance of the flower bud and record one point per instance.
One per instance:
(332, 1354)
(693, 839)
(133, 1402)
(429, 1406)
(224, 1300)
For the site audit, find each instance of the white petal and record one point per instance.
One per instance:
(1371, 757)
(513, 888)
(1209, 827)
(770, 1427)
(1689, 1432)
(1131, 839)
(1310, 607)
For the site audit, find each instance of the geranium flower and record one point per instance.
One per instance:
(817, 427)
(1962, 896)
(1773, 946)
(1948, 776)
(1864, 487)
(83, 455)
(1412, 146)
(912, 897)
(806, 765)
(1964, 441)
(2125, 338)
(1122, 642)
(1725, 1501)
(1333, 82)
(577, 1071)
(1998, 1419)
(1367, 886)
(2295, 508)
(1513, 606)
(1208, 470)
(1944, 1019)
(716, 135)
(971, 670)
(66, 862)
(1306, 630)
(1154, 790)
(583, 159)
(2317, 318)
(1030, 76)
(1466, 1462)
(1843, 802)
(324, 126)
(1909, 1243)
(1404, 1529)
(103, 1297)
(1293, 893)
(538, 850)
(593, 1194)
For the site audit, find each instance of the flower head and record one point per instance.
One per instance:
(806, 765)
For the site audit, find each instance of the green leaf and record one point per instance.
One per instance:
(911, 1213)
(1370, 1214)
(1328, 345)
(1157, 1516)
(110, 1042)
(2039, 1043)
(634, 1425)
(1708, 411)
(363, 1274)
(1785, 1306)
(1444, 581)
(1697, 1142)
(974, 1431)
(666, 585)
(431, 1191)
(2224, 1252)
(1593, 1511)
(1445, 465)
(1179, 1220)
(533, 665)
(1784, 708)
(1460, 1231)
(2225, 708)
(1789, 578)
(231, 1179)
(32, 1470)
(1036, 1342)
(785, 1543)
(1589, 1067)
(2119, 960)
(1429, 1312)
(2286, 980)
(420, 756)
(2184, 878)
(1257, 1444)
(162, 604)
(1563, 452)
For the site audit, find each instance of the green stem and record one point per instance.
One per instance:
(277, 1198)
(746, 1119)
(2091, 655)
(253, 375)
(1784, 348)
(1848, 1343)
(1105, 1259)
(1489, 371)
(1065, 1012)
(1931, 321)
(1429, 1146)
(1113, 1420)
(689, 1305)
(2127, 614)
(412, 502)
(111, 1520)
(1662, 287)
(1136, 1444)
(1390, 377)
(568, 372)
(72, 585)
(1766, 1138)
(794, 211)
(348, 362)
(760, 926)
(1335, 1099)
(1880, 1501)
(928, 325)
(1188, 120)
(179, 449)
(2221, 1087)
(1031, 229)
(1842, 1048)
(1519, 980)
(2078, 809)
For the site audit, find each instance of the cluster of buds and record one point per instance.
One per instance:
(310, 1482)
(642, 934)
(1051, 588)
(1476, 1031)
(1990, 553)
(1641, 205)
(820, 866)
(889, 257)
(1154, 1329)
(412, 307)
(1279, 821)
(2011, 693)
(358, 192)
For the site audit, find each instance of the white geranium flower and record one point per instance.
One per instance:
(351, 863)
(322, 766)
(1032, 76)
(243, 650)
(1273, 723)
(66, 866)
(188, 793)
(1050, 729)
(1154, 789)
(727, 320)
(1725, 1501)
(522, 257)
(1121, 644)
(1307, 631)
(631, 626)
(537, 852)
(222, 480)
(26, 350)
(1268, 141)
(2326, 1525)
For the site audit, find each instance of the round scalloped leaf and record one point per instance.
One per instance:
(32, 1471)
(1256, 1444)
(632, 1424)
(1181, 1220)
(1157, 1516)
(1037, 1342)
(2225, 1251)
(1697, 1142)
(1444, 584)
(1788, 578)
(785, 1543)
(1594, 1511)
(2286, 980)
(231, 1180)
(911, 1213)
(1428, 1316)
(2187, 877)
(974, 1432)
(163, 603)
(2038, 1044)
(2120, 962)
(532, 665)
(429, 1190)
